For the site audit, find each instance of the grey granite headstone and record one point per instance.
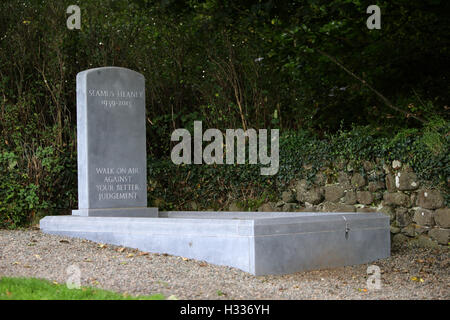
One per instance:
(111, 137)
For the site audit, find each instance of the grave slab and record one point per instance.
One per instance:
(259, 243)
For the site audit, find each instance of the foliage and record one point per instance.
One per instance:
(38, 289)
(37, 177)
(231, 64)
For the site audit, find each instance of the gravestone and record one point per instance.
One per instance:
(111, 137)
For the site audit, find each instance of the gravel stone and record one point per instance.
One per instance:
(31, 253)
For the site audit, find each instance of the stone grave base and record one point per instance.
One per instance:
(256, 242)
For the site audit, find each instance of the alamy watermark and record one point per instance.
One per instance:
(374, 21)
(74, 277)
(374, 279)
(214, 151)
(74, 20)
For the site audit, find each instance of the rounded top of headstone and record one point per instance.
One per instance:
(109, 69)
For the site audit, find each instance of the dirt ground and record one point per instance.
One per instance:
(410, 273)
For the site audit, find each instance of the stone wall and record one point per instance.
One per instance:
(417, 211)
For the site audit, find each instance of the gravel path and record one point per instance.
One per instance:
(407, 274)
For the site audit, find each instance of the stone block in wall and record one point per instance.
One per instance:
(343, 180)
(334, 193)
(289, 207)
(423, 217)
(350, 197)
(300, 186)
(442, 236)
(287, 196)
(328, 206)
(343, 177)
(267, 207)
(406, 181)
(279, 204)
(192, 205)
(390, 183)
(368, 166)
(402, 217)
(313, 196)
(430, 199)
(310, 206)
(364, 197)
(376, 185)
(442, 217)
(358, 180)
(397, 199)
(409, 231)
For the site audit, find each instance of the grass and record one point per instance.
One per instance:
(38, 289)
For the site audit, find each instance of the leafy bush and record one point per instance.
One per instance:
(253, 64)
(37, 177)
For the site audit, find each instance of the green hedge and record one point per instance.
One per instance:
(43, 181)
